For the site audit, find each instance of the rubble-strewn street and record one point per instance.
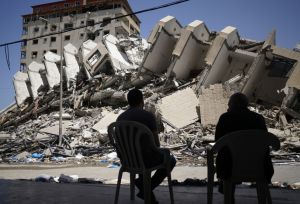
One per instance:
(186, 74)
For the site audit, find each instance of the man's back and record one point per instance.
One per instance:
(239, 120)
(139, 115)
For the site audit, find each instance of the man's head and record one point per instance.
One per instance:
(135, 98)
(238, 101)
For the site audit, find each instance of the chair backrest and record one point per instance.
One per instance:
(249, 149)
(126, 137)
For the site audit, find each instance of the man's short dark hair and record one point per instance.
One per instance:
(238, 101)
(135, 97)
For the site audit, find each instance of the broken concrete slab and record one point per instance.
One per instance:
(42, 137)
(87, 47)
(118, 58)
(109, 117)
(213, 102)
(4, 136)
(163, 39)
(179, 108)
(21, 90)
(189, 52)
(35, 77)
(52, 74)
(72, 67)
(231, 35)
(54, 129)
(95, 59)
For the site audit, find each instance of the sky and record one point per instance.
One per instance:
(254, 19)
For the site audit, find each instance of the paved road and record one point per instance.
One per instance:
(283, 173)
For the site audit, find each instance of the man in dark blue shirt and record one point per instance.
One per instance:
(135, 112)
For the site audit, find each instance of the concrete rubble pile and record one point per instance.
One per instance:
(187, 75)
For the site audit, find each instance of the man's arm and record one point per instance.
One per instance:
(156, 138)
(220, 128)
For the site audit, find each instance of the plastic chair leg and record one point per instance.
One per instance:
(132, 188)
(269, 199)
(147, 187)
(210, 184)
(228, 194)
(170, 187)
(118, 185)
(261, 193)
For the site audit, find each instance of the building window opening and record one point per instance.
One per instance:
(24, 43)
(81, 36)
(23, 55)
(106, 21)
(67, 37)
(53, 39)
(54, 51)
(53, 27)
(106, 32)
(36, 29)
(90, 22)
(91, 36)
(35, 42)
(94, 58)
(280, 67)
(25, 31)
(68, 26)
(34, 55)
(45, 40)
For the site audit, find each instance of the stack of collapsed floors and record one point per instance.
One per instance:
(186, 73)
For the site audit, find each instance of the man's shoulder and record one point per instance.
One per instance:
(134, 112)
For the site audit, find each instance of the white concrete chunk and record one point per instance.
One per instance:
(119, 58)
(179, 109)
(87, 47)
(109, 118)
(51, 57)
(53, 75)
(35, 77)
(54, 129)
(22, 92)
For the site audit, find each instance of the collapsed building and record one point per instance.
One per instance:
(187, 75)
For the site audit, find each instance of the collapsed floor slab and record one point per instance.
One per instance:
(190, 51)
(179, 108)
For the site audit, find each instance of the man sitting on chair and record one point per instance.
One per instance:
(238, 117)
(135, 112)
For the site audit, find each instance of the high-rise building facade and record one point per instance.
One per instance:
(48, 20)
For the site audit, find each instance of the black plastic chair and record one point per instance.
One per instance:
(125, 136)
(248, 149)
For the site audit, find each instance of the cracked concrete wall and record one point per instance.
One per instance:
(163, 40)
(217, 61)
(213, 102)
(190, 51)
(217, 58)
